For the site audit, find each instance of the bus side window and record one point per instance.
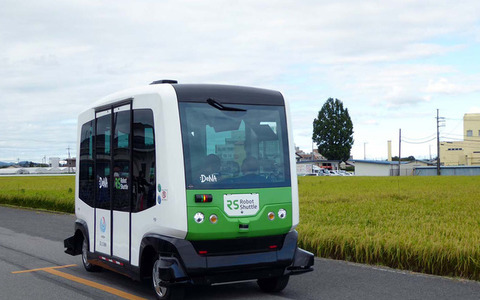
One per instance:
(103, 155)
(86, 164)
(144, 189)
(121, 161)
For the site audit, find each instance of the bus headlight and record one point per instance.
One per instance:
(282, 213)
(199, 217)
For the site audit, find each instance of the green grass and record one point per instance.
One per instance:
(424, 224)
(46, 192)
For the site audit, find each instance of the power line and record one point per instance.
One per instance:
(456, 126)
(456, 139)
(454, 134)
(420, 142)
(420, 139)
(460, 138)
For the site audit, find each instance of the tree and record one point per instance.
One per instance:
(333, 131)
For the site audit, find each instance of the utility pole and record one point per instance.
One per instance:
(312, 153)
(439, 119)
(364, 151)
(68, 160)
(399, 149)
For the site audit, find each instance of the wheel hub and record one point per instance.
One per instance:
(157, 282)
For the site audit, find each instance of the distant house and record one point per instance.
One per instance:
(302, 156)
(387, 168)
(375, 168)
(313, 166)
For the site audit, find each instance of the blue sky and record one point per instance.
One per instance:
(392, 63)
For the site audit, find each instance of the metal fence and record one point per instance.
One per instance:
(448, 171)
(404, 171)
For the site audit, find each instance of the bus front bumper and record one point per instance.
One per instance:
(194, 268)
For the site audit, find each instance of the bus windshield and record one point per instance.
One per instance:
(240, 146)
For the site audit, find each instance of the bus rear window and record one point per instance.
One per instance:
(243, 148)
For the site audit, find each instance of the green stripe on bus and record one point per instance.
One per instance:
(229, 227)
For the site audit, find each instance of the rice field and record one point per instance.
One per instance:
(423, 224)
(55, 193)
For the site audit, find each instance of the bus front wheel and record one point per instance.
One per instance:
(163, 292)
(273, 285)
(86, 264)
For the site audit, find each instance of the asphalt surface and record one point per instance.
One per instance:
(34, 240)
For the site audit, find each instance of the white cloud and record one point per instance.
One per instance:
(57, 57)
(401, 100)
(474, 110)
(370, 122)
(445, 86)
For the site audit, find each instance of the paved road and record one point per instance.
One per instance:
(34, 240)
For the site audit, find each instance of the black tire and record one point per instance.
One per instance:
(86, 264)
(273, 285)
(161, 291)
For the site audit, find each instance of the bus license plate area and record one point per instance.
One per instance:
(238, 205)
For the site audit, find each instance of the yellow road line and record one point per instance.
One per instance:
(43, 269)
(94, 285)
(53, 271)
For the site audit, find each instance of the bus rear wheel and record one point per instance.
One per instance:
(162, 291)
(273, 285)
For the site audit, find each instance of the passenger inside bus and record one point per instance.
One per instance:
(143, 193)
(250, 171)
(213, 164)
(210, 171)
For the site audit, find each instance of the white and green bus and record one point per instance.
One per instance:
(187, 184)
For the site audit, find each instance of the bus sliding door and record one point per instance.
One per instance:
(113, 190)
(103, 157)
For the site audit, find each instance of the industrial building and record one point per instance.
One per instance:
(466, 152)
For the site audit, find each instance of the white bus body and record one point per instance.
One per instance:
(143, 209)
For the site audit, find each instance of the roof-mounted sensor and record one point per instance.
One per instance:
(164, 81)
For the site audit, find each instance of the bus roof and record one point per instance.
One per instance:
(228, 94)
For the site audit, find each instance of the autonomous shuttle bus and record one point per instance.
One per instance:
(186, 184)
